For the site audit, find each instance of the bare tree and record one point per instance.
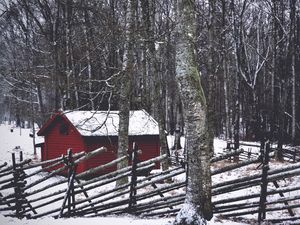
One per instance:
(197, 207)
(124, 102)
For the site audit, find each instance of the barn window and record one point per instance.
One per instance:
(64, 129)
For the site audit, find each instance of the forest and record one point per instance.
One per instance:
(104, 54)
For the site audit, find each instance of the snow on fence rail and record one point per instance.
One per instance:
(289, 153)
(24, 191)
(292, 154)
(23, 196)
(261, 202)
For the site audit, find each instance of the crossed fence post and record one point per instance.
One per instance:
(70, 194)
(265, 150)
(132, 196)
(18, 184)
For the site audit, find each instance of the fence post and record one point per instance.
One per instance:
(249, 153)
(16, 189)
(132, 196)
(264, 183)
(18, 184)
(177, 158)
(70, 194)
(21, 176)
(69, 179)
(236, 146)
(71, 176)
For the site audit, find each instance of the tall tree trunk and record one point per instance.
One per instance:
(225, 62)
(149, 11)
(86, 26)
(146, 86)
(293, 48)
(179, 125)
(67, 19)
(226, 101)
(236, 122)
(75, 81)
(212, 78)
(57, 73)
(124, 99)
(197, 207)
(273, 75)
(293, 100)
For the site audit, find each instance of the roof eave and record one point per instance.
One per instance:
(47, 125)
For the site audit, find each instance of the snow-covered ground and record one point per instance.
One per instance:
(19, 140)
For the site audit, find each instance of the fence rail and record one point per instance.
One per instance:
(24, 192)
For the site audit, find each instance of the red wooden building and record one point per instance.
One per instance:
(88, 130)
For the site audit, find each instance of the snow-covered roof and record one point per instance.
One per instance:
(103, 123)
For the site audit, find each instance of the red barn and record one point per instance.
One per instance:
(88, 130)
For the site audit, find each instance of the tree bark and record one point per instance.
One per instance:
(236, 122)
(67, 7)
(158, 98)
(225, 62)
(211, 76)
(197, 207)
(293, 48)
(86, 26)
(124, 101)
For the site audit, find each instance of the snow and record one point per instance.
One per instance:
(19, 140)
(20, 137)
(252, 170)
(83, 221)
(189, 214)
(103, 123)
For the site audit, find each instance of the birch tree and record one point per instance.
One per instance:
(197, 207)
(72, 52)
(124, 101)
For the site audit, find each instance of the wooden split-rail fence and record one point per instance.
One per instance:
(26, 190)
(291, 154)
